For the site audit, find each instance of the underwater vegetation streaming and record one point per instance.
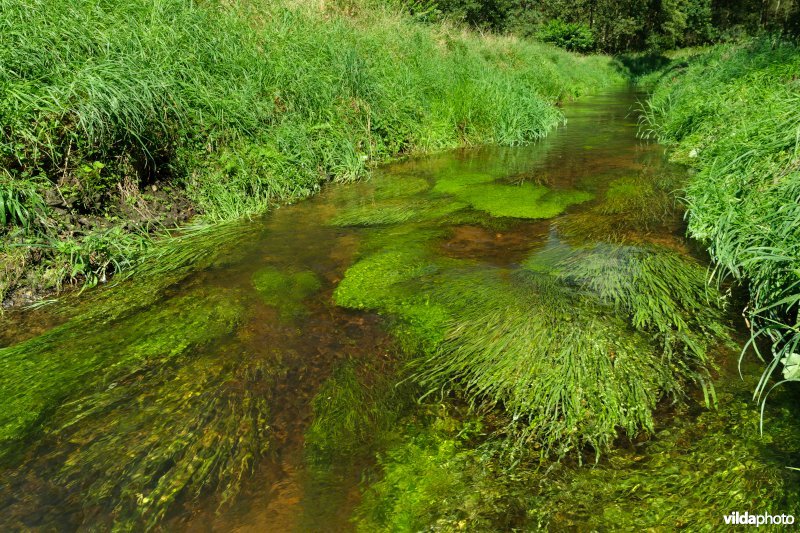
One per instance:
(448, 474)
(442, 346)
(549, 343)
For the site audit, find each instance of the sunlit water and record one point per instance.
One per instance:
(274, 351)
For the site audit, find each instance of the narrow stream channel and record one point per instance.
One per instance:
(179, 382)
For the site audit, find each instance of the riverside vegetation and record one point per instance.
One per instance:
(507, 337)
(164, 112)
(732, 112)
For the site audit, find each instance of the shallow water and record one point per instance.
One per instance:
(224, 354)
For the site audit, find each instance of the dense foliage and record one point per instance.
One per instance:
(616, 26)
(733, 113)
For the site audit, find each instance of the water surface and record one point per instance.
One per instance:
(159, 396)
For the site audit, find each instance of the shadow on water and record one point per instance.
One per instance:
(183, 395)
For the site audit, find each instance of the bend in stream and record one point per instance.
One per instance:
(186, 394)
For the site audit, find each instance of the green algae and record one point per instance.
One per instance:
(286, 290)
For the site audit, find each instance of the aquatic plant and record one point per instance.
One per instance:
(395, 212)
(200, 420)
(433, 479)
(632, 207)
(285, 290)
(570, 372)
(484, 192)
(574, 347)
(448, 472)
(523, 201)
(41, 374)
(353, 411)
(396, 185)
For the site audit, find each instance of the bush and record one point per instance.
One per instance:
(571, 36)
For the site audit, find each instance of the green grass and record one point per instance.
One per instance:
(733, 111)
(247, 105)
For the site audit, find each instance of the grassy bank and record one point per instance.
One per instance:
(733, 112)
(121, 119)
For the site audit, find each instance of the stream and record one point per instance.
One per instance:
(181, 397)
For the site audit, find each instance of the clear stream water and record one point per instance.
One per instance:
(226, 350)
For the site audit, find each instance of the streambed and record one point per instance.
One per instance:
(249, 380)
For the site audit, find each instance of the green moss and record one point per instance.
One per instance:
(501, 200)
(284, 290)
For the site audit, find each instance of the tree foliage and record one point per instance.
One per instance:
(623, 25)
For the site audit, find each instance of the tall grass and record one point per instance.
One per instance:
(280, 96)
(245, 105)
(734, 113)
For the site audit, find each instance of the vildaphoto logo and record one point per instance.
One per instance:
(746, 519)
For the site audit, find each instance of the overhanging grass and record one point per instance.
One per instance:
(249, 104)
(733, 112)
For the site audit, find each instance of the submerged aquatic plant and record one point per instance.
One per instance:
(394, 212)
(579, 344)
(285, 290)
(483, 192)
(353, 411)
(447, 473)
(631, 208)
